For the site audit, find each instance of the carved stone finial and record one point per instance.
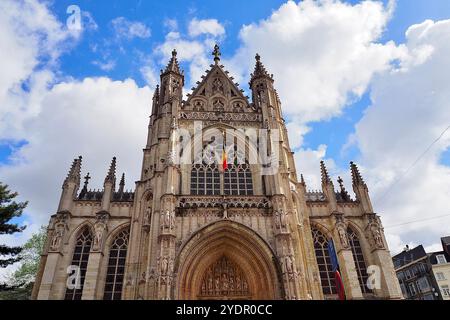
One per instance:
(356, 176)
(111, 176)
(324, 174)
(216, 53)
(74, 172)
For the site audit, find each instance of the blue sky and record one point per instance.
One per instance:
(77, 62)
(341, 109)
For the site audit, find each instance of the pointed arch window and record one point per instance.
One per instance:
(238, 180)
(358, 257)
(324, 262)
(80, 260)
(116, 266)
(205, 179)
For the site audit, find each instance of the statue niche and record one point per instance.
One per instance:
(224, 280)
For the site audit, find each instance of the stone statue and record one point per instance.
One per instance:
(172, 220)
(98, 236)
(147, 216)
(289, 265)
(164, 265)
(224, 281)
(167, 219)
(377, 237)
(58, 236)
(283, 219)
(343, 236)
(277, 219)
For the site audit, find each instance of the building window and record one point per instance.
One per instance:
(423, 284)
(238, 180)
(412, 288)
(116, 266)
(324, 262)
(205, 179)
(407, 274)
(440, 276)
(441, 259)
(445, 291)
(80, 260)
(360, 264)
(428, 297)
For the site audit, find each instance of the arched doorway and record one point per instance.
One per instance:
(226, 260)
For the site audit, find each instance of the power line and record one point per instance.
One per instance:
(412, 166)
(421, 220)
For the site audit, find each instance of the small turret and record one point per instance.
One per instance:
(172, 81)
(259, 72)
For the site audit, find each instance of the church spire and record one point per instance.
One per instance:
(260, 71)
(173, 65)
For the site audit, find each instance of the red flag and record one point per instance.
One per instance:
(224, 160)
(339, 285)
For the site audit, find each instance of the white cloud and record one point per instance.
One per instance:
(207, 26)
(127, 29)
(32, 41)
(92, 117)
(323, 53)
(105, 66)
(410, 109)
(97, 118)
(296, 131)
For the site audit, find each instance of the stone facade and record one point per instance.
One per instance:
(258, 235)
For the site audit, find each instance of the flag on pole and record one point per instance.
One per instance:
(224, 160)
(224, 154)
(337, 274)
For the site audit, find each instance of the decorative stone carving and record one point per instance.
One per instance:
(226, 116)
(224, 279)
(217, 202)
(217, 86)
(60, 227)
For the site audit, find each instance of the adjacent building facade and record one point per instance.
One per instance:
(214, 227)
(424, 276)
(440, 264)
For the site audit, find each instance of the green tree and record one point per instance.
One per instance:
(30, 257)
(22, 280)
(9, 209)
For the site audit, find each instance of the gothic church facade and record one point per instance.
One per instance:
(207, 231)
